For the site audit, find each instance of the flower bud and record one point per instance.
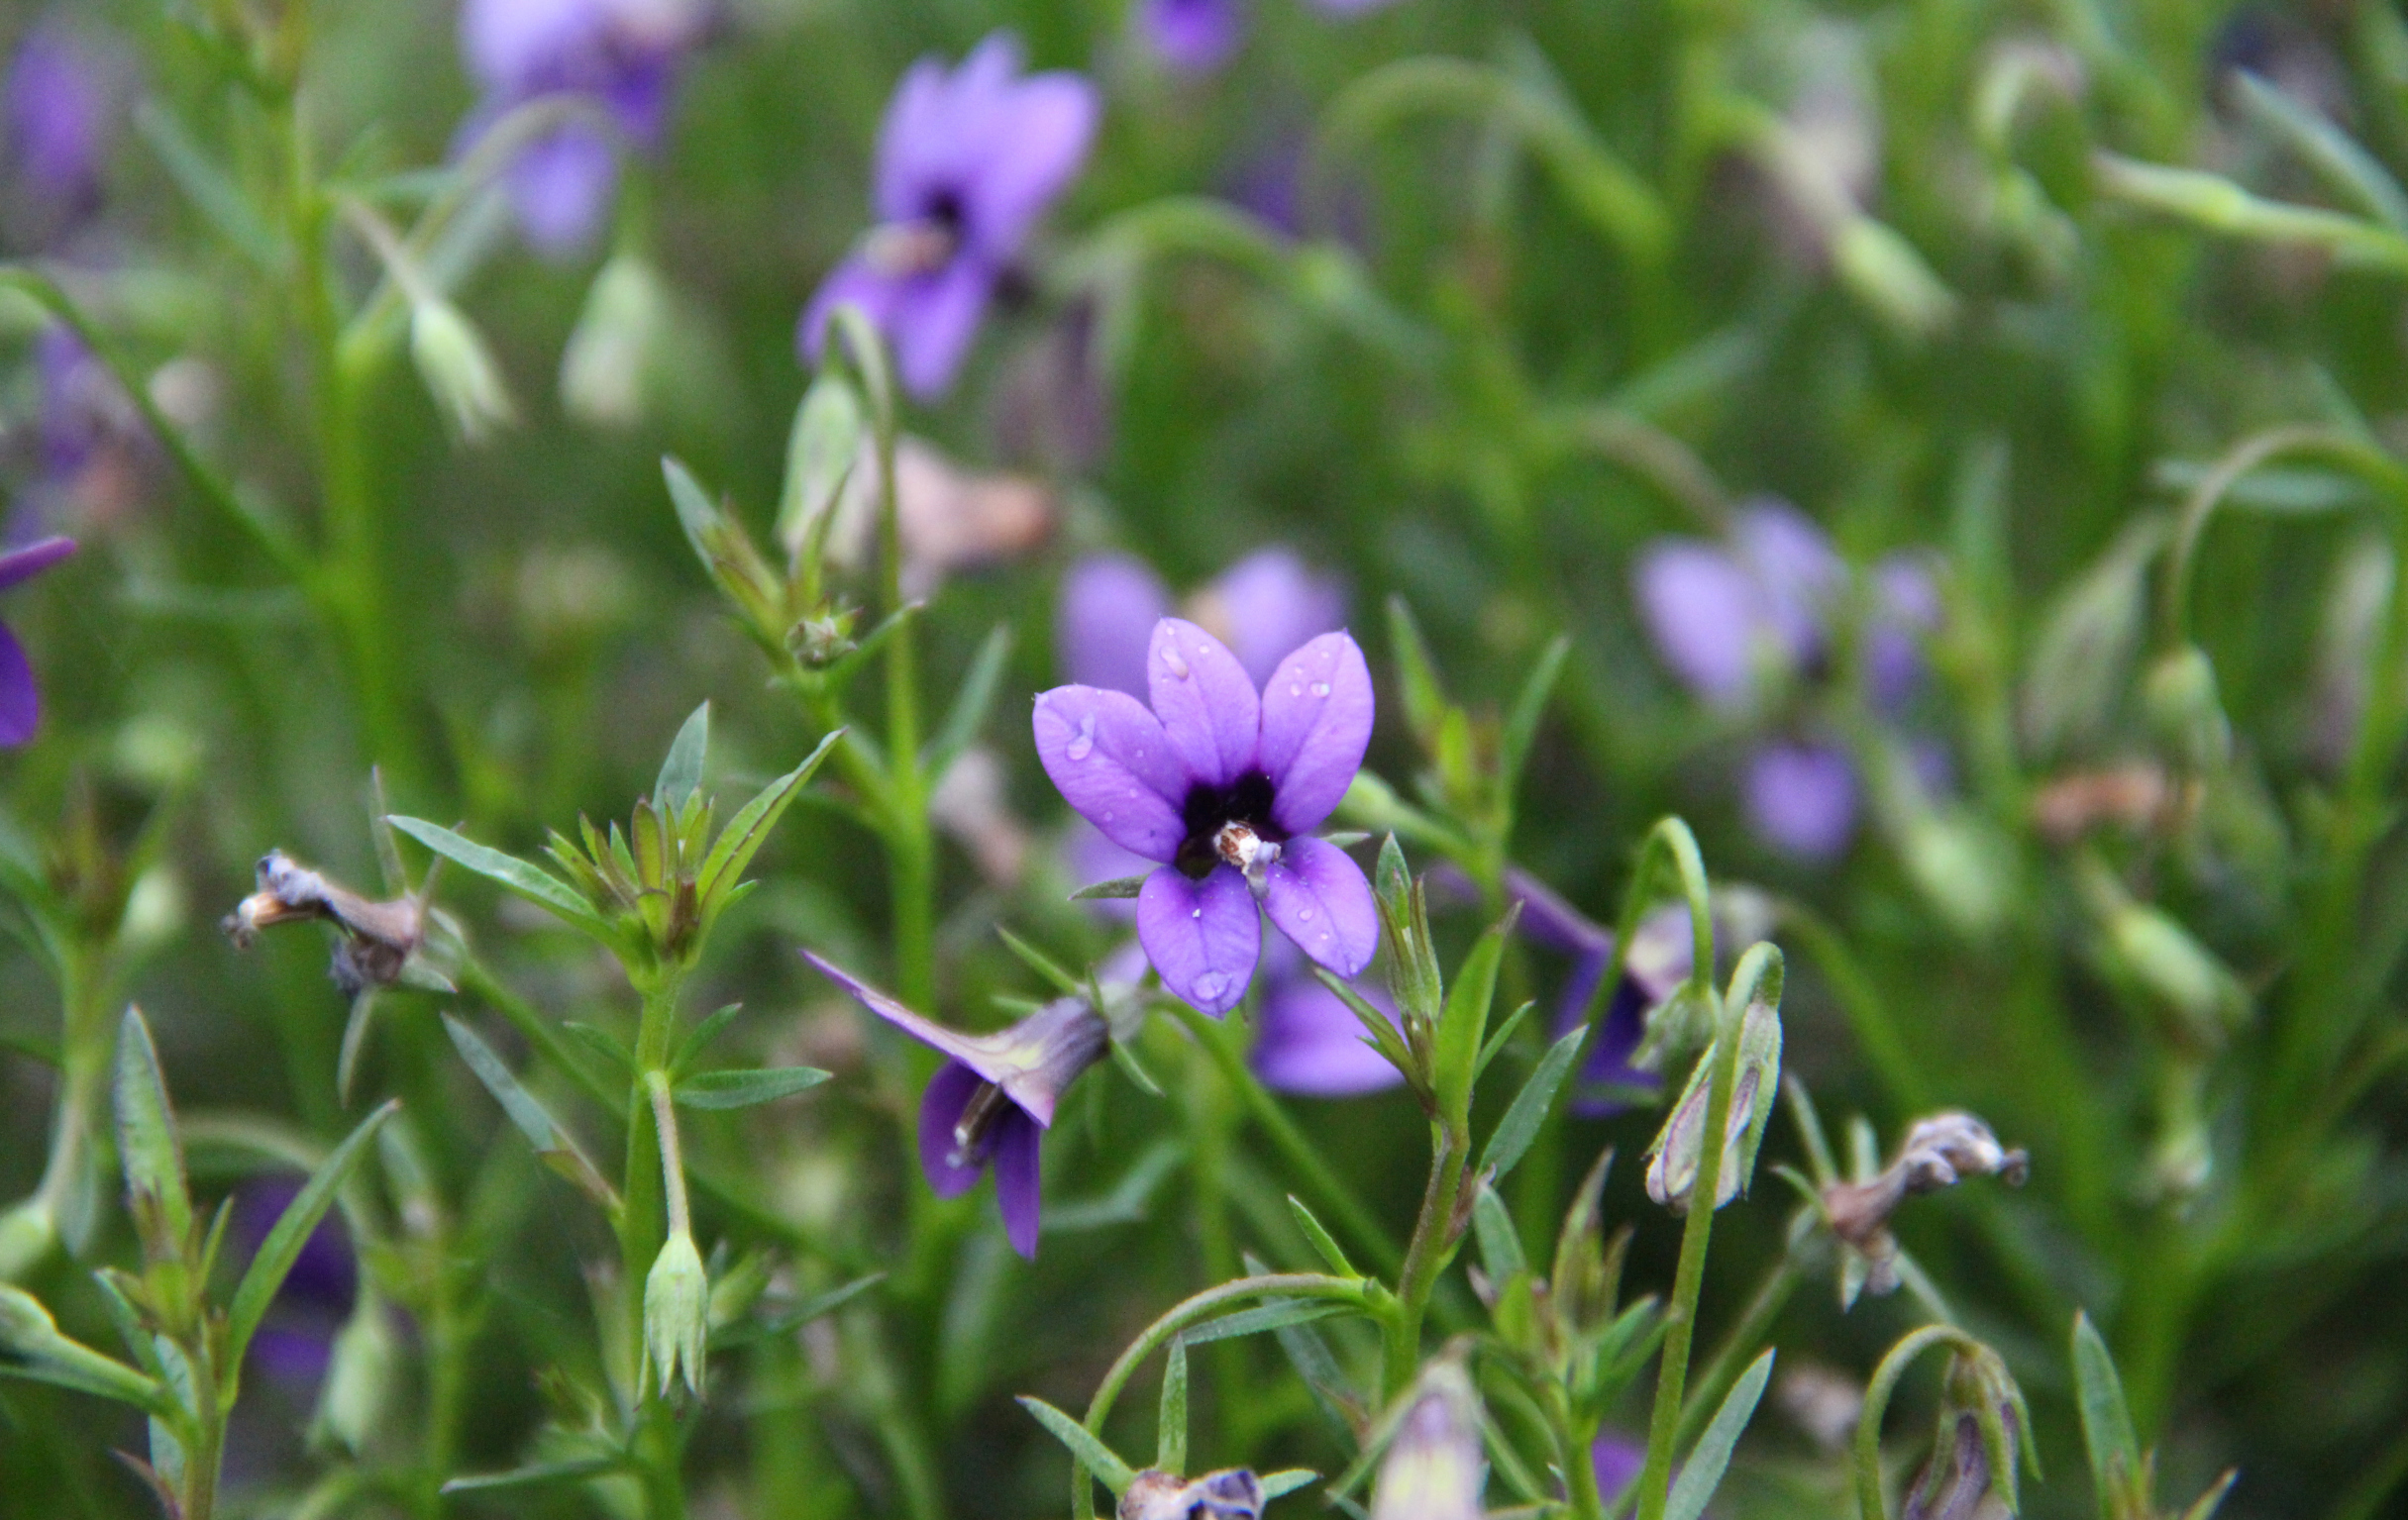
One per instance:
(27, 1231)
(1434, 1470)
(1963, 866)
(459, 370)
(1673, 1162)
(2177, 971)
(824, 451)
(2185, 714)
(610, 357)
(359, 1378)
(677, 1313)
(1971, 1475)
(1232, 1494)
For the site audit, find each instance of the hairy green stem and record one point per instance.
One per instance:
(1435, 1233)
(642, 1229)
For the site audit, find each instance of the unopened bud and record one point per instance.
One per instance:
(1435, 1469)
(2178, 971)
(359, 1378)
(1963, 866)
(824, 451)
(1673, 1162)
(460, 371)
(2185, 713)
(610, 357)
(26, 1327)
(1971, 1475)
(677, 1313)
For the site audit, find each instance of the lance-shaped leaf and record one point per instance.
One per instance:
(1702, 1473)
(1116, 889)
(1463, 1025)
(1325, 1245)
(1286, 1481)
(1531, 706)
(970, 704)
(1264, 1317)
(745, 832)
(2107, 1428)
(146, 1144)
(558, 1149)
(28, 1331)
(1171, 1425)
(743, 1090)
(681, 769)
(1084, 1444)
(291, 1231)
(704, 1034)
(1500, 1244)
(786, 1321)
(537, 886)
(574, 1471)
(1512, 1138)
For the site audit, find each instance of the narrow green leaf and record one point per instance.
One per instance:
(971, 702)
(1500, 1244)
(1114, 890)
(147, 1142)
(1325, 1245)
(1530, 707)
(1498, 1036)
(534, 1121)
(695, 514)
(2206, 1505)
(745, 832)
(537, 886)
(1702, 1473)
(1512, 1138)
(603, 1044)
(1286, 1481)
(2107, 1427)
(1084, 1444)
(1417, 673)
(681, 769)
(268, 1270)
(1313, 1362)
(696, 1041)
(1042, 963)
(148, 1396)
(26, 1329)
(1270, 1316)
(744, 1089)
(1171, 1425)
(1133, 1068)
(1463, 1021)
(788, 1321)
(2335, 156)
(212, 191)
(538, 1476)
(355, 1041)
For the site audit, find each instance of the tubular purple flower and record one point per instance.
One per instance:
(994, 1096)
(1195, 37)
(62, 115)
(1802, 799)
(1219, 784)
(966, 162)
(621, 54)
(1657, 965)
(1618, 1461)
(20, 700)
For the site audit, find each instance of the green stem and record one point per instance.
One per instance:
(642, 1229)
(1689, 1280)
(1432, 1246)
(1877, 1402)
(1739, 1348)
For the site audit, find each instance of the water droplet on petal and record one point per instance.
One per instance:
(1107, 815)
(1303, 915)
(1295, 690)
(1083, 744)
(1210, 985)
(1171, 661)
(1320, 689)
(1195, 912)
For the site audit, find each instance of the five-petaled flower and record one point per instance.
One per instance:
(19, 702)
(993, 1098)
(1219, 784)
(967, 162)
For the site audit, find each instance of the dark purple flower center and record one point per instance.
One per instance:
(1211, 809)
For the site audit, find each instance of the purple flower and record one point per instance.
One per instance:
(1802, 799)
(61, 114)
(621, 54)
(1657, 965)
(19, 702)
(1195, 37)
(1618, 1462)
(1905, 610)
(993, 1098)
(1309, 1042)
(967, 162)
(1723, 614)
(296, 1340)
(1219, 784)
(1262, 607)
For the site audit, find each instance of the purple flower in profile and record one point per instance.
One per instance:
(20, 702)
(1657, 965)
(993, 1098)
(1195, 37)
(1218, 783)
(61, 117)
(1262, 607)
(621, 54)
(967, 162)
(296, 1341)
(1309, 1042)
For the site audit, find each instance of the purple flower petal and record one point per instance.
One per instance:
(61, 114)
(1195, 37)
(852, 280)
(1104, 619)
(562, 188)
(22, 564)
(933, 319)
(1267, 605)
(19, 702)
(1802, 799)
(1699, 608)
(1320, 898)
(1204, 937)
(940, 1110)
(1618, 1461)
(1315, 726)
(1905, 610)
(1550, 921)
(1047, 125)
(1312, 1044)
(1017, 1181)
(1115, 767)
(1797, 573)
(1206, 701)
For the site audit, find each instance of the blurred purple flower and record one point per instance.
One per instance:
(1657, 964)
(993, 1098)
(1309, 1042)
(1195, 37)
(62, 99)
(1352, 7)
(1219, 782)
(1618, 1461)
(621, 54)
(967, 162)
(296, 1340)
(1262, 607)
(1906, 611)
(1721, 613)
(20, 702)
(1802, 799)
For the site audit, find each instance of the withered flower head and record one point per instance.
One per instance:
(377, 938)
(1232, 1494)
(1937, 1152)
